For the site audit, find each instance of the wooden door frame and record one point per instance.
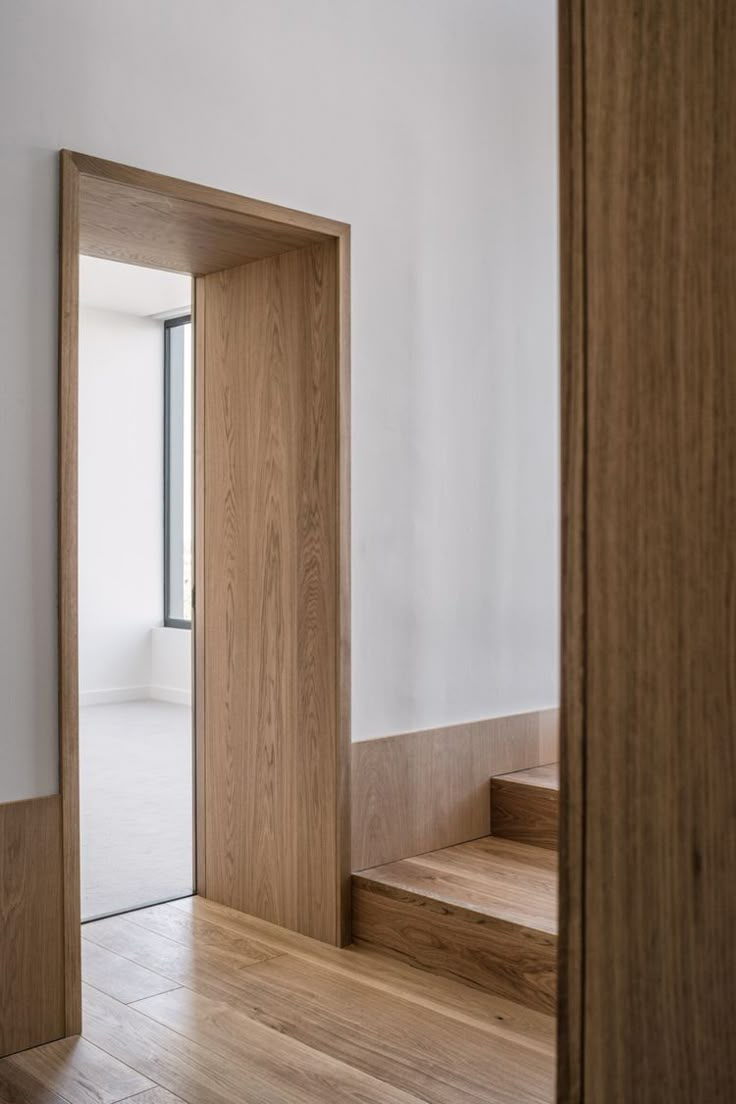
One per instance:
(570, 995)
(267, 223)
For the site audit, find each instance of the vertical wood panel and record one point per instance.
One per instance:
(572, 697)
(32, 976)
(198, 618)
(68, 566)
(658, 89)
(275, 829)
(420, 791)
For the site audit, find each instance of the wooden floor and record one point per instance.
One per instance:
(194, 1002)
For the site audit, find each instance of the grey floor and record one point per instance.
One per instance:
(135, 805)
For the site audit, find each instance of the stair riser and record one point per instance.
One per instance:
(526, 814)
(502, 958)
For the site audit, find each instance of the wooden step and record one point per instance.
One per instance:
(525, 806)
(483, 912)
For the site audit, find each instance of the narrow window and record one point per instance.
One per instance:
(178, 472)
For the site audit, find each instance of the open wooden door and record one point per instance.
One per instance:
(272, 550)
(269, 617)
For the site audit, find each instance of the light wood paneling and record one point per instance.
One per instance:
(274, 747)
(31, 924)
(484, 911)
(200, 590)
(424, 790)
(652, 99)
(146, 218)
(525, 806)
(156, 221)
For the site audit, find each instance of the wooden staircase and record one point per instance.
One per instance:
(483, 912)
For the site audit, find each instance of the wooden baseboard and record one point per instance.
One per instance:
(32, 924)
(420, 791)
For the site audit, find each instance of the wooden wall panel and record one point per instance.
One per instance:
(274, 747)
(32, 1001)
(419, 791)
(657, 134)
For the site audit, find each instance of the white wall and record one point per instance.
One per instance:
(120, 502)
(429, 125)
(171, 665)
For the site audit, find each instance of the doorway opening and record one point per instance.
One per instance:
(135, 538)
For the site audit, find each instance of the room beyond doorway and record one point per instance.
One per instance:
(135, 582)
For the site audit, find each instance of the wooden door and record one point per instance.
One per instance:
(648, 173)
(272, 760)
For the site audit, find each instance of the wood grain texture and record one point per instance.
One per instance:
(69, 229)
(155, 221)
(312, 1023)
(344, 537)
(80, 1072)
(18, 1087)
(361, 962)
(658, 640)
(275, 748)
(119, 977)
(263, 1067)
(573, 549)
(31, 923)
(421, 791)
(525, 806)
(200, 590)
(140, 217)
(431, 1058)
(485, 914)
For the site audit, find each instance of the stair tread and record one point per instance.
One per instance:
(491, 877)
(546, 777)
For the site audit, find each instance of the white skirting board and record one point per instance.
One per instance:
(135, 693)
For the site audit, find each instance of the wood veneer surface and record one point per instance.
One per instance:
(142, 218)
(484, 911)
(525, 806)
(276, 814)
(421, 791)
(31, 924)
(649, 895)
(307, 1023)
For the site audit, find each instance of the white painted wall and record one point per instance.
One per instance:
(171, 665)
(430, 125)
(120, 502)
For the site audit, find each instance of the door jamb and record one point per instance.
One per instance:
(74, 166)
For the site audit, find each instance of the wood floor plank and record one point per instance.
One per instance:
(484, 1011)
(80, 1072)
(420, 1052)
(200, 934)
(119, 977)
(156, 1095)
(19, 1087)
(211, 970)
(268, 1068)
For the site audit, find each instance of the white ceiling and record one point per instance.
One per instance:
(110, 285)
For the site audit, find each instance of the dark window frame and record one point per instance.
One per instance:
(169, 325)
